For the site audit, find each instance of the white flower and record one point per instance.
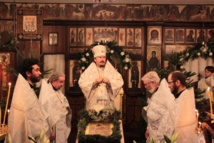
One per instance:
(182, 67)
(174, 137)
(112, 51)
(83, 68)
(42, 138)
(122, 53)
(83, 59)
(127, 60)
(204, 50)
(87, 54)
(187, 54)
(42, 134)
(210, 54)
(125, 67)
(198, 53)
(181, 59)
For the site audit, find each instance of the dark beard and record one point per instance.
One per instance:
(34, 79)
(175, 91)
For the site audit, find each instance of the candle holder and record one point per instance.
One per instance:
(198, 131)
(4, 130)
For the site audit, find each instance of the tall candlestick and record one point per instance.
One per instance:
(210, 98)
(8, 97)
(8, 114)
(0, 116)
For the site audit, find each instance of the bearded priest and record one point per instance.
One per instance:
(100, 82)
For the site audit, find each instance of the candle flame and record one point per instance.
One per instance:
(9, 83)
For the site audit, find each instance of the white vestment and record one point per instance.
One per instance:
(204, 83)
(58, 109)
(160, 122)
(105, 92)
(185, 117)
(27, 118)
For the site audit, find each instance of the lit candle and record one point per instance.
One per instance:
(8, 97)
(210, 98)
(197, 114)
(199, 124)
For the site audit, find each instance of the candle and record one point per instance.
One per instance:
(210, 98)
(199, 124)
(197, 114)
(8, 114)
(0, 115)
(8, 97)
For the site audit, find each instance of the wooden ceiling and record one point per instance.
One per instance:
(118, 1)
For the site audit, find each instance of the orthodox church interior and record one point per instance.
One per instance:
(58, 33)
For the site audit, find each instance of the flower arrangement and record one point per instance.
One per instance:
(167, 139)
(100, 115)
(103, 115)
(40, 139)
(90, 116)
(114, 53)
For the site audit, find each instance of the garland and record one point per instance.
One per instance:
(7, 41)
(114, 53)
(199, 50)
(87, 116)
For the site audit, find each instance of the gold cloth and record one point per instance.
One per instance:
(103, 129)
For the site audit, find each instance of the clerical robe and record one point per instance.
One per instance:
(27, 118)
(204, 83)
(106, 92)
(58, 109)
(160, 121)
(185, 117)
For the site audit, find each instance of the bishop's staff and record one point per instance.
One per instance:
(8, 97)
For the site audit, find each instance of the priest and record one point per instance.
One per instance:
(27, 118)
(100, 82)
(160, 122)
(183, 108)
(56, 105)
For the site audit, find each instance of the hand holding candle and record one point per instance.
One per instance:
(8, 97)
